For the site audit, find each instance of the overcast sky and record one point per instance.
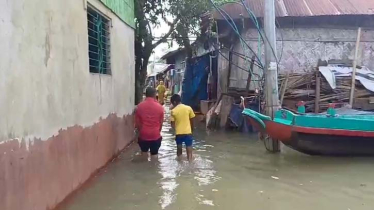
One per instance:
(162, 48)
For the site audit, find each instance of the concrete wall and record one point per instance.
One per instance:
(302, 47)
(59, 123)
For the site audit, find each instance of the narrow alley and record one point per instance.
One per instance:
(230, 172)
(283, 89)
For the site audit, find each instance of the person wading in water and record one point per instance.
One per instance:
(182, 121)
(161, 89)
(149, 116)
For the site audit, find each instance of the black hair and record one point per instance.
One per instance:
(150, 92)
(175, 99)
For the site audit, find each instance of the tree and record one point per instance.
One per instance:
(183, 18)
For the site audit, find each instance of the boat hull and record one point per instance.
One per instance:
(323, 142)
(331, 145)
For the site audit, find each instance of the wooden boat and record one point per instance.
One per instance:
(348, 134)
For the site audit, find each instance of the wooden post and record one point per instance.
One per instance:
(250, 75)
(318, 92)
(229, 69)
(353, 87)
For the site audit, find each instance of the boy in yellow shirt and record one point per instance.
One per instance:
(182, 121)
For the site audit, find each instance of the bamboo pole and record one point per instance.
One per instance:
(284, 88)
(353, 86)
(250, 75)
(318, 92)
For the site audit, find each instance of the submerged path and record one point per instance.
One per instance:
(230, 172)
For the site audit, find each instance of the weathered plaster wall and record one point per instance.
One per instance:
(45, 80)
(302, 47)
(59, 123)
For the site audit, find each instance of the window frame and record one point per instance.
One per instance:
(106, 51)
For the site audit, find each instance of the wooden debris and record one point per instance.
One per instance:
(284, 87)
(302, 87)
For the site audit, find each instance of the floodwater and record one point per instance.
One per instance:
(231, 171)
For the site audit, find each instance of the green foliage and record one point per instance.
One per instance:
(189, 12)
(183, 18)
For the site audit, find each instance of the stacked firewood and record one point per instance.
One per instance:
(296, 87)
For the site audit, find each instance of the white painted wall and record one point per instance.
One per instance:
(45, 83)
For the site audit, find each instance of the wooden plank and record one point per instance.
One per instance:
(318, 92)
(353, 86)
(229, 70)
(217, 103)
(371, 100)
(226, 104)
(211, 117)
(363, 104)
(223, 66)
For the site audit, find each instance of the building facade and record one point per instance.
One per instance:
(301, 46)
(66, 95)
(307, 31)
(178, 59)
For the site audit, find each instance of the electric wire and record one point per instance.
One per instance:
(235, 30)
(241, 68)
(251, 14)
(266, 39)
(262, 36)
(243, 43)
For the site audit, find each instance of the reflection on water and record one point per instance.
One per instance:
(173, 170)
(230, 172)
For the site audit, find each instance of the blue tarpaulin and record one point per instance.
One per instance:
(236, 117)
(194, 87)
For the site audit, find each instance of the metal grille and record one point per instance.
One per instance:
(99, 42)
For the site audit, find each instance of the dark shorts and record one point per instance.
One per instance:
(152, 146)
(186, 139)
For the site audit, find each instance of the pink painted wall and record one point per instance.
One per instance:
(41, 176)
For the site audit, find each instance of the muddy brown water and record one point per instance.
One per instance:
(231, 171)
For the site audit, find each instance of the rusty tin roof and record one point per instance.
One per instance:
(301, 8)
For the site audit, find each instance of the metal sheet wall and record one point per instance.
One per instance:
(123, 8)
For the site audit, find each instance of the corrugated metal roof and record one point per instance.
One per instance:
(159, 68)
(344, 6)
(172, 53)
(301, 8)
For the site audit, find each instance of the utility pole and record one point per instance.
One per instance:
(353, 87)
(271, 70)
